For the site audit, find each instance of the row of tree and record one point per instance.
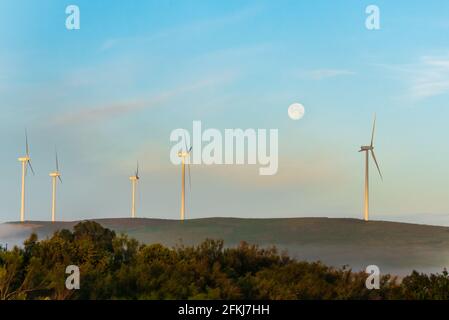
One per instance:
(117, 267)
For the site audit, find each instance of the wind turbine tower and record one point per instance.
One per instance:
(54, 175)
(185, 157)
(369, 149)
(26, 162)
(134, 180)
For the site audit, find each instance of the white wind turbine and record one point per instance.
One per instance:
(367, 150)
(54, 175)
(134, 180)
(26, 162)
(185, 157)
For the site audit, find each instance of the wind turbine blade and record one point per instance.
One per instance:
(57, 161)
(377, 165)
(26, 143)
(31, 167)
(185, 140)
(190, 149)
(374, 128)
(137, 170)
(59, 177)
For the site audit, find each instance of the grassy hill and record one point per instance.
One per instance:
(395, 247)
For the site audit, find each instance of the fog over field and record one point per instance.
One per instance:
(396, 248)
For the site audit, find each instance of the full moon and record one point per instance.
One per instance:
(296, 111)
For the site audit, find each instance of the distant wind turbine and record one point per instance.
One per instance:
(54, 175)
(184, 155)
(134, 180)
(26, 162)
(367, 150)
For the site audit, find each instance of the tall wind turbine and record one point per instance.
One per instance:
(369, 149)
(134, 180)
(184, 155)
(26, 162)
(54, 175)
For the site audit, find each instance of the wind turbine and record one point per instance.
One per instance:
(26, 162)
(184, 155)
(134, 180)
(54, 175)
(369, 149)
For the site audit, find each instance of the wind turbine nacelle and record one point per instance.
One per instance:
(55, 174)
(24, 159)
(133, 178)
(183, 154)
(366, 148)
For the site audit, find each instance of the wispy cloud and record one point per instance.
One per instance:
(193, 27)
(430, 77)
(320, 74)
(107, 111)
(316, 172)
(426, 78)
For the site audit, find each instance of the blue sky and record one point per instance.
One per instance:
(110, 94)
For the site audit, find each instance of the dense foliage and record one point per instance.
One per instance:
(116, 267)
